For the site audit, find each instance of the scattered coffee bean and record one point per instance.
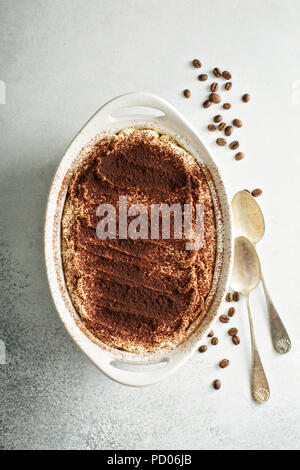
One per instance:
(233, 331)
(214, 341)
(228, 130)
(215, 98)
(236, 340)
(234, 145)
(211, 127)
(197, 63)
(239, 156)
(226, 75)
(210, 334)
(187, 93)
(224, 363)
(217, 72)
(206, 104)
(226, 105)
(221, 126)
(214, 86)
(228, 86)
(237, 123)
(246, 98)
(217, 384)
(203, 77)
(220, 141)
(256, 192)
(224, 319)
(218, 118)
(231, 311)
(236, 296)
(228, 297)
(203, 348)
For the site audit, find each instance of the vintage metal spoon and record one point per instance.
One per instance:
(246, 277)
(249, 221)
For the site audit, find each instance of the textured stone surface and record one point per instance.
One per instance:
(61, 60)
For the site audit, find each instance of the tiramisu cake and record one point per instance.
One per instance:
(136, 294)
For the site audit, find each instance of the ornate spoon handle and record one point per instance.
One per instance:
(280, 338)
(259, 384)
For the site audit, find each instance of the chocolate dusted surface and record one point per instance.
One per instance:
(136, 295)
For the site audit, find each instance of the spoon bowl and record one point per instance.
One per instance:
(246, 271)
(247, 216)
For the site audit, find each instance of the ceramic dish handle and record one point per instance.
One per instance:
(144, 377)
(142, 100)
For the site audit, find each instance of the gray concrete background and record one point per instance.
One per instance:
(60, 61)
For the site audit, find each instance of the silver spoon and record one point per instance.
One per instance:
(246, 277)
(249, 221)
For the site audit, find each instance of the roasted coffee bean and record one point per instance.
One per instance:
(236, 340)
(239, 156)
(217, 72)
(256, 192)
(214, 86)
(210, 334)
(197, 63)
(224, 319)
(226, 75)
(215, 98)
(228, 86)
(221, 126)
(217, 384)
(228, 297)
(221, 141)
(206, 104)
(211, 127)
(187, 93)
(214, 341)
(224, 363)
(231, 311)
(228, 130)
(202, 349)
(237, 123)
(202, 77)
(246, 98)
(234, 145)
(226, 105)
(218, 118)
(233, 331)
(236, 296)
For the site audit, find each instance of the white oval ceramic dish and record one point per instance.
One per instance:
(114, 116)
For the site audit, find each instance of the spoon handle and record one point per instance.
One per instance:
(259, 384)
(280, 338)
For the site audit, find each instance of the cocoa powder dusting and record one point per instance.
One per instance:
(136, 293)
